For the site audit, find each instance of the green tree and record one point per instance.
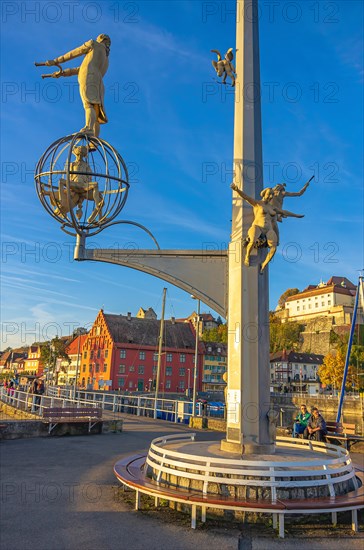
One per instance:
(53, 350)
(286, 294)
(283, 335)
(218, 334)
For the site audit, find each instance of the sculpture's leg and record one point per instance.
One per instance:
(272, 245)
(98, 200)
(96, 126)
(90, 116)
(253, 235)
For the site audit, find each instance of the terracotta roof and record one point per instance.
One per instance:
(145, 332)
(72, 348)
(207, 317)
(339, 285)
(295, 357)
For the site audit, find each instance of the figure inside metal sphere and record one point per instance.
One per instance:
(81, 188)
(90, 74)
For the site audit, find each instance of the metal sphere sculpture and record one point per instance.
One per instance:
(83, 183)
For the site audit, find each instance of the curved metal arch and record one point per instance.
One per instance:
(84, 234)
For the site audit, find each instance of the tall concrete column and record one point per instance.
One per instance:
(248, 339)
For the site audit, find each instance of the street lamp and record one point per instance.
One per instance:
(77, 366)
(196, 358)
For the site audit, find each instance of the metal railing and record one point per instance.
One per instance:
(164, 409)
(334, 468)
(36, 404)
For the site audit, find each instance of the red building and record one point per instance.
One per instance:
(124, 350)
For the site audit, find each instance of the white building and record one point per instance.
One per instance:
(294, 368)
(334, 298)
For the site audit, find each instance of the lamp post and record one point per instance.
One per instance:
(196, 358)
(188, 383)
(77, 367)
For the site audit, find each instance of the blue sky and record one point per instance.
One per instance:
(177, 140)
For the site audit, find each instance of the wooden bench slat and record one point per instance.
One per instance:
(71, 414)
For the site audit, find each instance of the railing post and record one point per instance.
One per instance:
(114, 403)
(103, 400)
(138, 405)
(175, 412)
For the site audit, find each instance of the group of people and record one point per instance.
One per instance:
(310, 425)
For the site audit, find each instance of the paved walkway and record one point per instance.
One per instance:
(61, 494)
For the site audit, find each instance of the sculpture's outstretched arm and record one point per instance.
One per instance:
(299, 193)
(288, 214)
(77, 52)
(68, 72)
(246, 197)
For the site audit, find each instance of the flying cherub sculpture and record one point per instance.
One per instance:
(90, 74)
(224, 67)
(264, 216)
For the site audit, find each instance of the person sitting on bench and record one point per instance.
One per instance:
(301, 420)
(316, 427)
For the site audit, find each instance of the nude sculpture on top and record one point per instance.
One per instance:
(90, 74)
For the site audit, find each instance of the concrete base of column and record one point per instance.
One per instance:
(247, 448)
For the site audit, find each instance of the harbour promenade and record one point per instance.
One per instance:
(60, 494)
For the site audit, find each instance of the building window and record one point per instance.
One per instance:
(169, 358)
(182, 371)
(154, 370)
(141, 369)
(97, 368)
(106, 353)
(131, 368)
(121, 369)
(84, 368)
(181, 384)
(92, 354)
(329, 302)
(155, 356)
(309, 306)
(303, 307)
(122, 354)
(168, 371)
(98, 330)
(105, 367)
(90, 368)
(316, 305)
(168, 384)
(85, 354)
(142, 355)
(130, 383)
(121, 382)
(182, 358)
